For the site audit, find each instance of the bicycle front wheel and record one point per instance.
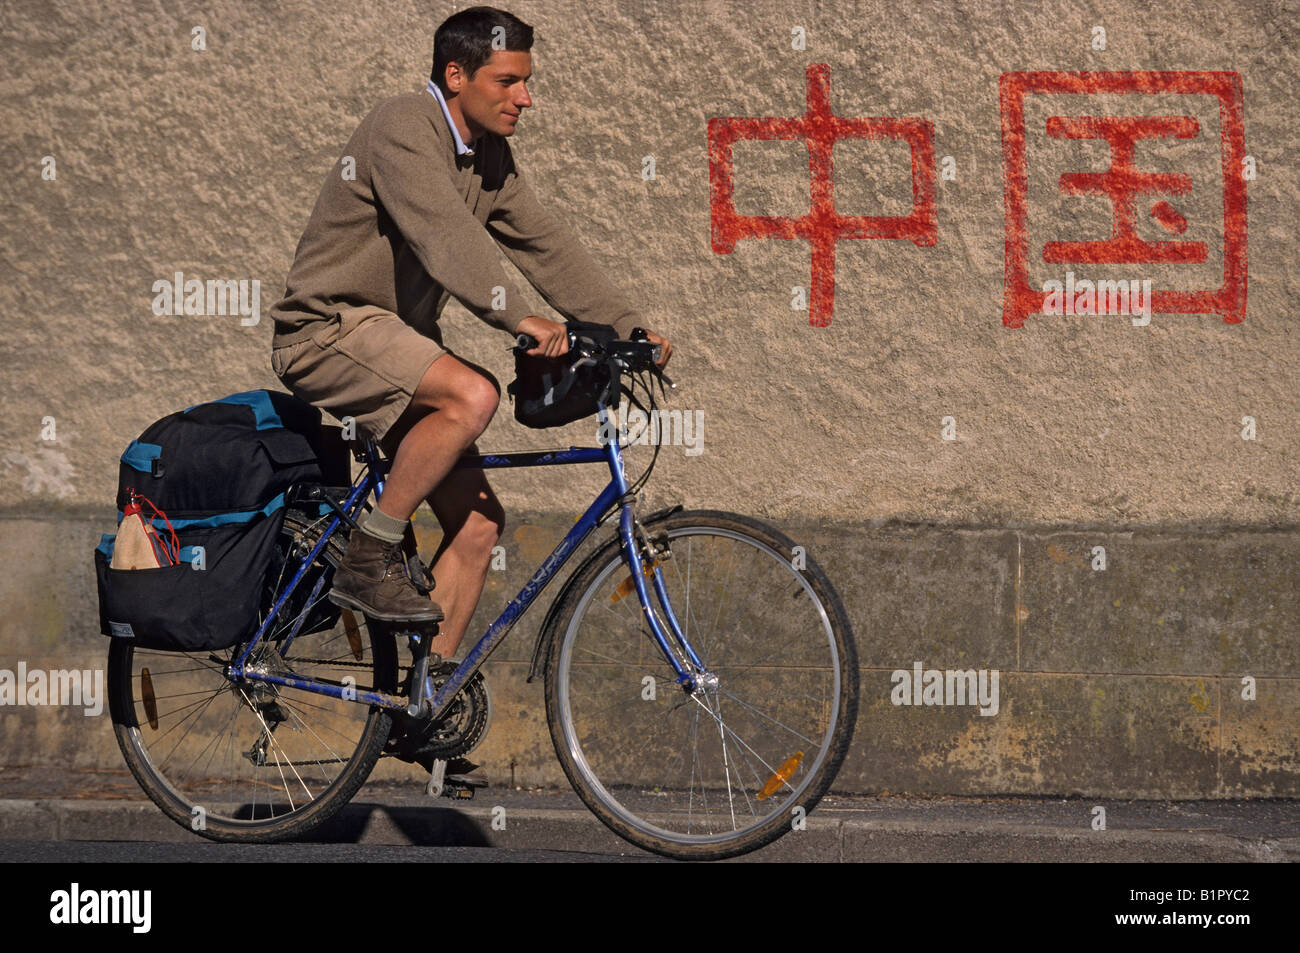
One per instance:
(723, 770)
(249, 761)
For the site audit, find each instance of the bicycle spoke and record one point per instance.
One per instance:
(323, 744)
(695, 757)
(186, 773)
(201, 706)
(191, 706)
(270, 737)
(775, 721)
(726, 765)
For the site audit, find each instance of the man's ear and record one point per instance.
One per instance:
(453, 76)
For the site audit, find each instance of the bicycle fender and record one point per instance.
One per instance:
(548, 623)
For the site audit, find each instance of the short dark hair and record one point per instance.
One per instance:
(465, 38)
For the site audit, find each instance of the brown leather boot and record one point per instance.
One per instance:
(373, 579)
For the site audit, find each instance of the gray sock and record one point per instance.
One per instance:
(380, 525)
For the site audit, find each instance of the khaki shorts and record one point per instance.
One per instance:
(369, 373)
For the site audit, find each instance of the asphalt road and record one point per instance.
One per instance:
(387, 823)
(92, 852)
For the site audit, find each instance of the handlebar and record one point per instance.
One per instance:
(637, 354)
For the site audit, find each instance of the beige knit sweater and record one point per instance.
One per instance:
(417, 224)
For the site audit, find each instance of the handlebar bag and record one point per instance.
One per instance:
(553, 391)
(220, 471)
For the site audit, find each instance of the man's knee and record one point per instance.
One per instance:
(477, 403)
(462, 393)
(461, 396)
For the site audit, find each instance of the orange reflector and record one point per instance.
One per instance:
(147, 696)
(627, 585)
(782, 775)
(354, 634)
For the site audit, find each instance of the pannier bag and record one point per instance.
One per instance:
(553, 391)
(218, 472)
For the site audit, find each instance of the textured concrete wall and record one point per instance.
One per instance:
(1069, 431)
(1126, 682)
(208, 162)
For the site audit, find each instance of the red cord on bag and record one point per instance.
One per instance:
(171, 552)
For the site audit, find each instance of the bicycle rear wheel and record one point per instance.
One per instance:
(715, 773)
(249, 761)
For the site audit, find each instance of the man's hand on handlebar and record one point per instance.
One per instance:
(551, 336)
(662, 342)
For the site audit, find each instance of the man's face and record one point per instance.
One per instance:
(493, 100)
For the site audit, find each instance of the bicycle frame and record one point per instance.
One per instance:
(614, 494)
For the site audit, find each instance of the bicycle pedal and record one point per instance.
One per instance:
(452, 789)
(463, 781)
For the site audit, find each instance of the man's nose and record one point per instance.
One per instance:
(522, 99)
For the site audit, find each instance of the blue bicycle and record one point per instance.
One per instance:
(700, 674)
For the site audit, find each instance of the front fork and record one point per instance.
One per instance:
(645, 553)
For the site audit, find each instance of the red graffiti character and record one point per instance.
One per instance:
(823, 226)
(1125, 185)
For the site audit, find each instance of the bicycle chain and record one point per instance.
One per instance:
(454, 734)
(336, 662)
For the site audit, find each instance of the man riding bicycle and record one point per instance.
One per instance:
(425, 193)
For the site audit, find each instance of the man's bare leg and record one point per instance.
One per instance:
(450, 408)
(472, 519)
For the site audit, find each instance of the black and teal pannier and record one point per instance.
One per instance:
(220, 471)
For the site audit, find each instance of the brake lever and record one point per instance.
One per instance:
(655, 355)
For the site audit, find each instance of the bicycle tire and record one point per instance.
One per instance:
(193, 795)
(626, 759)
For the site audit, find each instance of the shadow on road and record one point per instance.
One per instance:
(420, 826)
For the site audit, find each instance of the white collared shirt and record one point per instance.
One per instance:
(461, 148)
